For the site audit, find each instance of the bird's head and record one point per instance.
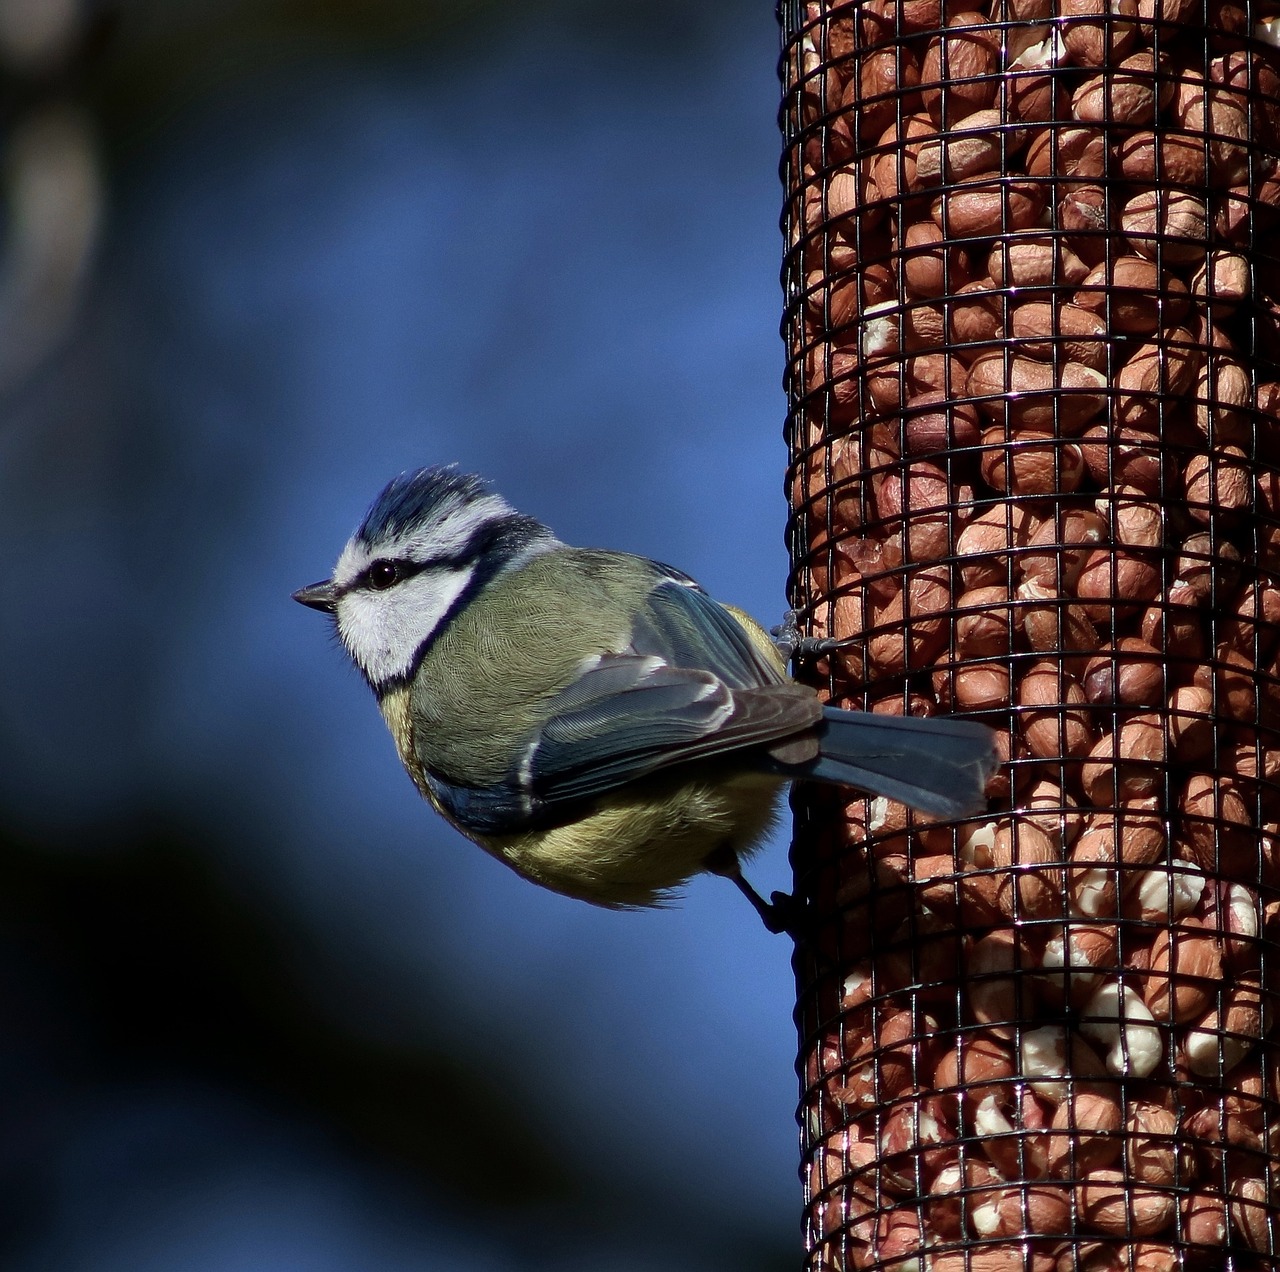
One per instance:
(427, 546)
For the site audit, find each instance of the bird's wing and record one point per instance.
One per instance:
(685, 627)
(688, 686)
(629, 716)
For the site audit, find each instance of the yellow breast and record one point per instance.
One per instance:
(394, 706)
(640, 843)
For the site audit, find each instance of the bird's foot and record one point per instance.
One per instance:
(782, 913)
(792, 645)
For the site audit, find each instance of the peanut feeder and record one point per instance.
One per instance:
(1033, 336)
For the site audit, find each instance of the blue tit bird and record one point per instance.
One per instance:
(595, 719)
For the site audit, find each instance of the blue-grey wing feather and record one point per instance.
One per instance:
(685, 627)
(675, 716)
(484, 810)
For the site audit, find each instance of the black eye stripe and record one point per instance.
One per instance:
(384, 573)
(404, 568)
(484, 550)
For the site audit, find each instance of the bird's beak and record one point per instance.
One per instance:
(318, 596)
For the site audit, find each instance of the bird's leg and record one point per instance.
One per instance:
(786, 636)
(781, 913)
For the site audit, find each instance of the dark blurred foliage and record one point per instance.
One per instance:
(257, 1008)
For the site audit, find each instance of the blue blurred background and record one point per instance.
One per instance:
(259, 1009)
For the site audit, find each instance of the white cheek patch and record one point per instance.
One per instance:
(382, 631)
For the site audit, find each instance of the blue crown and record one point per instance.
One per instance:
(411, 498)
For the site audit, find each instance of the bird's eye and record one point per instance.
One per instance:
(382, 575)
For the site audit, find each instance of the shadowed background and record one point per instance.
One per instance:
(259, 1009)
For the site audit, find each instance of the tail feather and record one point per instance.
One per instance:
(935, 765)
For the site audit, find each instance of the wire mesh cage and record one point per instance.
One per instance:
(1033, 330)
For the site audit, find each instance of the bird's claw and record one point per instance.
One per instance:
(785, 914)
(782, 913)
(792, 645)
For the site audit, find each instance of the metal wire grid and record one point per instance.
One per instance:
(892, 459)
